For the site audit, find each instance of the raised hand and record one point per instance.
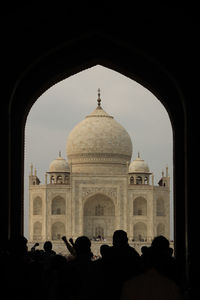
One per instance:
(64, 238)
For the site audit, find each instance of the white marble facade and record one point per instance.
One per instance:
(99, 189)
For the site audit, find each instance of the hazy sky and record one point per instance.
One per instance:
(65, 104)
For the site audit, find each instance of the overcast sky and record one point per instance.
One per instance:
(65, 104)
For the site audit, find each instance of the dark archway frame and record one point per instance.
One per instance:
(71, 58)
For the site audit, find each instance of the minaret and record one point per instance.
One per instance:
(165, 180)
(31, 173)
(152, 179)
(167, 171)
(33, 179)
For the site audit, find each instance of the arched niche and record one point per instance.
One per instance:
(160, 207)
(161, 229)
(37, 206)
(57, 231)
(140, 232)
(139, 180)
(131, 179)
(58, 206)
(59, 179)
(99, 205)
(140, 206)
(99, 216)
(37, 231)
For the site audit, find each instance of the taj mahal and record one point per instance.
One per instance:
(99, 188)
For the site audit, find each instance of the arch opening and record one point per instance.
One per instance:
(58, 206)
(139, 179)
(140, 232)
(57, 231)
(160, 207)
(161, 229)
(37, 231)
(126, 60)
(37, 206)
(99, 217)
(140, 206)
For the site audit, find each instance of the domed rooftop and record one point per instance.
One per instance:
(99, 139)
(138, 166)
(59, 165)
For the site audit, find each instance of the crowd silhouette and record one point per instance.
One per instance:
(120, 273)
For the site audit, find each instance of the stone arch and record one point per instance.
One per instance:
(146, 180)
(37, 231)
(161, 229)
(130, 62)
(160, 207)
(99, 200)
(57, 230)
(37, 206)
(58, 206)
(131, 180)
(140, 206)
(99, 210)
(140, 232)
(139, 180)
(99, 216)
(59, 179)
(99, 231)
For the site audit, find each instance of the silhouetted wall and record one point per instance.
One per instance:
(156, 46)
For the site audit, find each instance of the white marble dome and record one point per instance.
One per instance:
(138, 166)
(99, 139)
(59, 165)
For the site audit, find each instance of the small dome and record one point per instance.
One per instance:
(59, 165)
(138, 166)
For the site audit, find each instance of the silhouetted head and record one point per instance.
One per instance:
(47, 246)
(120, 238)
(82, 245)
(19, 245)
(104, 250)
(144, 250)
(158, 254)
(160, 243)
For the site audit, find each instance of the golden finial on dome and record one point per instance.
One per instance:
(99, 99)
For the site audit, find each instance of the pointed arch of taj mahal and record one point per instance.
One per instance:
(99, 216)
